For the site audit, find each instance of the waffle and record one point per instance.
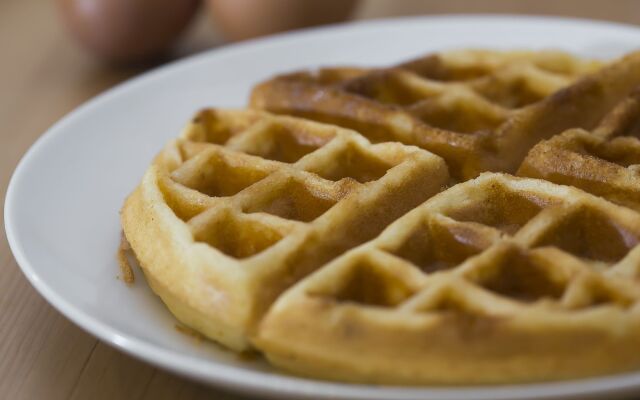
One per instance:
(498, 279)
(244, 204)
(605, 161)
(479, 110)
(384, 247)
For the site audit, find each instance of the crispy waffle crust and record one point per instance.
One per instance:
(480, 110)
(245, 204)
(498, 279)
(387, 253)
(605, 161)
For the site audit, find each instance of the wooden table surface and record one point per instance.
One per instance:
(43, 75)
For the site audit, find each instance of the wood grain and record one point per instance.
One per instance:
(43, 75)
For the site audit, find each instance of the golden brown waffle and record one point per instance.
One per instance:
(480, 110)
(605, 162)
(245, 204)
(273, 233)
(498, 279)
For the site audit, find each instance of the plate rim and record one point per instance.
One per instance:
(275, 384)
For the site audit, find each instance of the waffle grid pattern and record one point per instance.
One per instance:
(387, 253)
(605, 161)
(273, 198)
(494, 248)
(457, 104)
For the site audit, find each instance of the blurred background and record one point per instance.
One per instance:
(56, 54)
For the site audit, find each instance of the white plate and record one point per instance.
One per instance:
(62, 204)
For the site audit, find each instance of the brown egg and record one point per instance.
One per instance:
(127, 30)
(243, 19)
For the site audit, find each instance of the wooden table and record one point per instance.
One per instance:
(43, 75)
